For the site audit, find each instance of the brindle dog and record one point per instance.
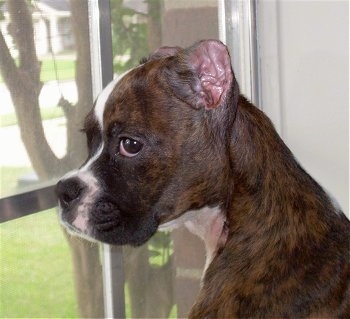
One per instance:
(174, 135)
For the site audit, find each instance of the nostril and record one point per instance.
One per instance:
(69, 190)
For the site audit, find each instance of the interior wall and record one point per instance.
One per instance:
(304, 65)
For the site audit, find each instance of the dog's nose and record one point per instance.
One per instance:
(69, 190)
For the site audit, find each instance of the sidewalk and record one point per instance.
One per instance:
(16, 155)
(49, 96)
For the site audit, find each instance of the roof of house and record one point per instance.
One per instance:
(53, 5)
(59, 5)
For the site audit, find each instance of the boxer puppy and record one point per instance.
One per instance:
(173, 136)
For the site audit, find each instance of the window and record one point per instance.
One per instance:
(55, 57)
(46, 90)
(50, 271)
(162, 277)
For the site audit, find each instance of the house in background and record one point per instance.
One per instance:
(52, 26)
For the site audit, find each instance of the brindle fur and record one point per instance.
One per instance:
(287, 253)
(287, 248)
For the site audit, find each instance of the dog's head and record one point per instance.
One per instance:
(157, 140)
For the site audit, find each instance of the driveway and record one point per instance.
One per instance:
(49, 96)
(16, 155)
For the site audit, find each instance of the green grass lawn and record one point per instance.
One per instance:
(9, 179)
(36, 275)
(35, 263)
(65, 69)
(36, 272)
(47, 113)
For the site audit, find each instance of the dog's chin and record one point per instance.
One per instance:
(112, 232)
(76, 232)
(121, 237)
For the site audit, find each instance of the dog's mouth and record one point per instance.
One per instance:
(73, 223)
(104, 216)
(88, 219)
(103, 221)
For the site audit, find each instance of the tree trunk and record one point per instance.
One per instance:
(76, 143)
(154, 25)
(24, 85)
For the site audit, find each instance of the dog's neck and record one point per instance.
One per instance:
(270, 189)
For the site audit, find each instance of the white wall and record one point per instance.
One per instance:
(304, 63)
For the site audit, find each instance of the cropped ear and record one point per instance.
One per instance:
(212, 64)
(210, 78)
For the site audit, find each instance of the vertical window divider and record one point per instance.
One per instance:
(102, 74)
(237, 21)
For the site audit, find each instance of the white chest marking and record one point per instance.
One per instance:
(206, 223)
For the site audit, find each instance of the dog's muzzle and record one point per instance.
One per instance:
(87, 212)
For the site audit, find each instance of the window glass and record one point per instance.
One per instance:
(36, 275)
(45, 88)
(162, 277)
(305, 85)
(41, 104)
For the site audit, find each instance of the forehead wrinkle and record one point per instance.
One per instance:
(125, 113)
(138, 99)
(127, 98)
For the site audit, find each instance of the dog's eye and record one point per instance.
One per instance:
(129, 147)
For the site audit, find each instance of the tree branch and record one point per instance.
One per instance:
(21, 29)
(8, 66)
(24, 85)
